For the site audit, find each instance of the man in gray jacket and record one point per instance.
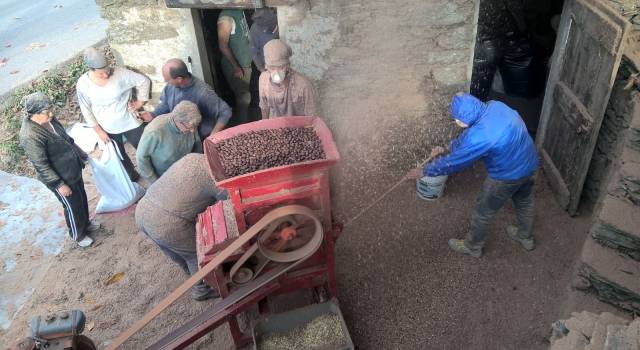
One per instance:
(58, 163)
(167, 213)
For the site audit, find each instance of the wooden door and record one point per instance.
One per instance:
(584, 65)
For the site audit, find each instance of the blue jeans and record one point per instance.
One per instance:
(492, 197)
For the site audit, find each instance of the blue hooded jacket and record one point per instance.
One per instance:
(496, 134)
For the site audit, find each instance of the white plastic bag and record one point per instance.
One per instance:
(117, 190)
(84, 136)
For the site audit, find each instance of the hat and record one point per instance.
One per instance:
(277, 53)
(94, 59)
(35, 103)
(266, 18)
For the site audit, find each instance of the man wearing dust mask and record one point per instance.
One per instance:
(283, 91)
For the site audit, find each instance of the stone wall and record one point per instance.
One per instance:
(611, 137)
(143, 34)
(610, 261)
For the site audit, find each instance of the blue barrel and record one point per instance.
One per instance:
(431, 187)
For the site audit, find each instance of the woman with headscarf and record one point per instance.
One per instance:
(283, 91)
(168, 138)
(58, 163)
(105, 98)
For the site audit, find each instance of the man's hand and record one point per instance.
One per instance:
(104, 137)
(146, 116)
(64, 190)
(436, 151)
(135, 105)
(238, 72)
(414, 174)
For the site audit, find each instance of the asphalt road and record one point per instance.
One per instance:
(37, 35)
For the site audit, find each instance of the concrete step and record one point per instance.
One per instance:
(599, 334)
(618, 226)
(612, 276)
(584, 330)
(622, 337)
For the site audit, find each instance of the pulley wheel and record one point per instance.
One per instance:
(291, 238)
(242, 276)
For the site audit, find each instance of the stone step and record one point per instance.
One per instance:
(612, 276)
(618, 226)
(584, 330)
(599, 333)
(623, 337)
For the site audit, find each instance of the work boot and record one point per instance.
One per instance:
(458, 246)
(201, 292)
(527, 243)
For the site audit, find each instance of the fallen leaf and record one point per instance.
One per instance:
(3, 62)
(96, 307)
(8, 45)
(90, 326)
(14, 72)
(114, 279)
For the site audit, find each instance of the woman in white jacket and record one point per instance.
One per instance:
(105, 98)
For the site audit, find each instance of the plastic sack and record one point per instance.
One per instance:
(84, 136)
(117, 190)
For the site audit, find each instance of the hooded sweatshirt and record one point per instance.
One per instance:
(496, 134)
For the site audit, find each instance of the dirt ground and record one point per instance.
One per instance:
(399, 286)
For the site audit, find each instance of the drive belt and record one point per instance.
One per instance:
(245, 290)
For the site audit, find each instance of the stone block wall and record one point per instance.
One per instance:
(610, 261)
(143, 34)
(611, 137)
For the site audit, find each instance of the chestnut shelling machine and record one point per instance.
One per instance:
(273, 235)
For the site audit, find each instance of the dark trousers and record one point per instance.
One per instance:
(133, 137)
(492, 197)
(76, 210)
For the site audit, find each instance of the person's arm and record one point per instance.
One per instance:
(310, 101)
(85, 108)
(256, 53)
(36, 151)
(224, 32)
(215, 107)
(132, 79)
(197, 145)
(163, 105)
(464, 151)
(145, 149)
(263, 82)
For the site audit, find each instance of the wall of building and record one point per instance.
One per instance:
(385, 72)
(143, 34)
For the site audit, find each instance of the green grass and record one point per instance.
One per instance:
(59, 86)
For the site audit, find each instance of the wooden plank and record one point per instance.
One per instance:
(555, 181)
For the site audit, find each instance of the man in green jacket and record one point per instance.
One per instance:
(233, 42)
(58, 163)
(168, 138)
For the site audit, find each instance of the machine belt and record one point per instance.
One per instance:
(219, 259)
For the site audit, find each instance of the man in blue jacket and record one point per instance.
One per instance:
(496, 134)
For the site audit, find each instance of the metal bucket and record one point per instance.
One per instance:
(431, 187)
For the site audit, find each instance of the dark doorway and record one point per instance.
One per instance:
(209, 19)
(514, 43)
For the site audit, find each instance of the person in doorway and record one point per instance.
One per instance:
(182, 86)
(58, 163)
(105, 98)
(233, 41)
(167, 214)
(263, 30)
(496, 134)
(283, 91)
(168, 138)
